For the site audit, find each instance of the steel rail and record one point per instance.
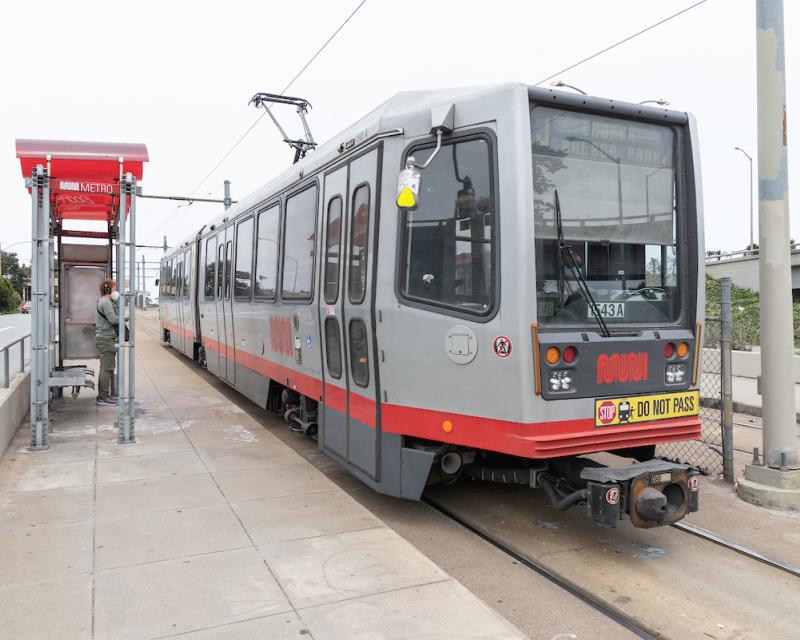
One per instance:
(583, 595)
(736, 547)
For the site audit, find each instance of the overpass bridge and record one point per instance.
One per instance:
(742, 268)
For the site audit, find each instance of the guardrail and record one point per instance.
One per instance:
(4, 350)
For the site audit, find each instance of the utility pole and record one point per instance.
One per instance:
(144, 283)
(776, 481)
(165, 244)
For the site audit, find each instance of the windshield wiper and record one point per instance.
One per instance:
(567, 256)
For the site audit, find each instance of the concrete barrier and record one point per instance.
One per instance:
(745, 364)
(15, 403)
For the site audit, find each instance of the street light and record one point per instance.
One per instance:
(558, 83)
(660, 101)
(747, 155)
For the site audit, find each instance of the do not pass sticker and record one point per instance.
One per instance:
(502, 346)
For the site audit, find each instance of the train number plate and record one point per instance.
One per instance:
(608, 310)
(610, 412)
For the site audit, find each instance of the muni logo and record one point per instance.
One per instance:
(621, 367)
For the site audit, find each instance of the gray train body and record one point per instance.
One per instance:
(426, 331)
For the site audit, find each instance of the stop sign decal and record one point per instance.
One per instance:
(606, 412)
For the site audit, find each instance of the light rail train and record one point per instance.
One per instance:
(538, 296)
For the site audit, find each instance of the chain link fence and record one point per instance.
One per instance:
(706, 453)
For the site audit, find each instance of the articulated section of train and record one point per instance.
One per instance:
(537, 297)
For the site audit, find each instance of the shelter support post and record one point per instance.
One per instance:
(40, 311)
(126, 240)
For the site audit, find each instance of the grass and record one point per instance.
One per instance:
(746, 313)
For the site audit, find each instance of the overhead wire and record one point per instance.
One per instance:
(623, 41)
(350, 17)
(264, 113)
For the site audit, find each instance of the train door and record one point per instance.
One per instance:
(333, 434)
(224, 304)
(222, 290)
(208, 307)
(176, 335)
(351, 421)
(187, 317)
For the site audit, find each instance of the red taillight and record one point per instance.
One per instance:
(669, 350)
(569, 355)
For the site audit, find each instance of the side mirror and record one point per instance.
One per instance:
(156, 281)
(442, 122)
(408, 185)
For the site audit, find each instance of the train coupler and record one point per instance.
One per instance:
(652, 493)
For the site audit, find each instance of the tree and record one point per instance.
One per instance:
(18, 275)
(9, 299)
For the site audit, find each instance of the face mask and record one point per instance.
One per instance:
(115, 295)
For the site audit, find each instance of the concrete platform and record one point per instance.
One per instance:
(207, 527)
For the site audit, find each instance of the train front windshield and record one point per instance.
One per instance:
(615, 182)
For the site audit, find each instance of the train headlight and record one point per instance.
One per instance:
(676, 373)
(561, 380)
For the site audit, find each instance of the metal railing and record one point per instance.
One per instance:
(7, 361)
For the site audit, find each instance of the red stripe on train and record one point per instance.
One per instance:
(529, 440)
(174, 328)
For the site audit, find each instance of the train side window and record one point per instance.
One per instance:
(449, 241)
(211, 253)
(333, 246)
(299, 243)
(228, 258)
(359, 245)
(243, 271)
(178, 278)
(359, 362)
(266, 280)
(333, 347)
(187, 273)
(220, 269)
(172, 278)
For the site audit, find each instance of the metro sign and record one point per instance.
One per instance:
(97, 188)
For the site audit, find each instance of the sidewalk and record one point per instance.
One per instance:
(207, 527)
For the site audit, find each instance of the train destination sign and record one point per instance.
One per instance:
(612, 412)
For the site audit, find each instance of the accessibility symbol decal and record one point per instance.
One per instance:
(502, 347)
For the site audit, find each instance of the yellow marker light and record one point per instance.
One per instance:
(683, 349)
(406, 198)
(552, 355)
(447, 426)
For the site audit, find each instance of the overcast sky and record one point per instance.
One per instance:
(177, 76)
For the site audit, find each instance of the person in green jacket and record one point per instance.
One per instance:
(105, 339)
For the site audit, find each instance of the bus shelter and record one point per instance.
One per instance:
(93, 182)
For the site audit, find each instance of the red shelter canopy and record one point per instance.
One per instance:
(84, 176)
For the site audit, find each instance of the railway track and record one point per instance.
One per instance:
(631, 623)
(584, 595)
(736, 547)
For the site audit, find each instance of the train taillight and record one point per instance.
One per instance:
(669, 350)
(569, 355)
(552, 355)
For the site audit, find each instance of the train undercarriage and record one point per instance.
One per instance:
(650, 491)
